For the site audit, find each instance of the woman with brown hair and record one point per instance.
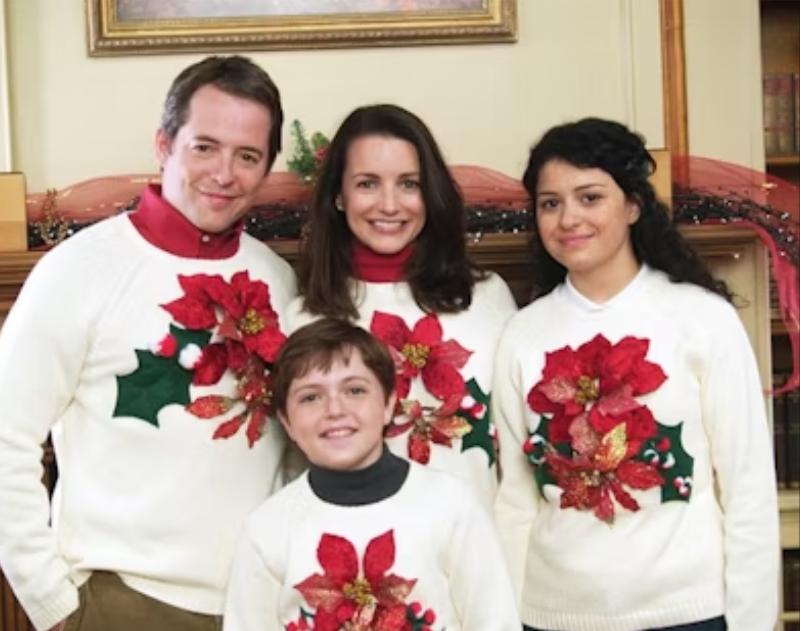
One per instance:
(386, 250)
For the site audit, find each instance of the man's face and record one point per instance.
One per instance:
(213, 167)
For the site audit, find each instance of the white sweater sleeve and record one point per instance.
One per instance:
(741, 453)
(42, 347)
(253, 599)
(480, 588)
(517, 495)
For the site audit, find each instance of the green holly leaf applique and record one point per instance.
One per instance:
(157, 381)
(675, 464)
(481, 434)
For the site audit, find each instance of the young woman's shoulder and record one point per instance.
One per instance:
(689, 300)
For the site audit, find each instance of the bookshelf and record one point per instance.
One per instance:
(780, 63)
(780, 66)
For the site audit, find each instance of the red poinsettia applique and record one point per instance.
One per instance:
(421, 351)
(253, 389)
(596, 429)
(250, 339)
(353, 601)
(439, 426)
(589, 480)
(243, 305)
(599, 377)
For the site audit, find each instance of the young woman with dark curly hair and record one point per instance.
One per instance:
(386, 250)
(638, 489)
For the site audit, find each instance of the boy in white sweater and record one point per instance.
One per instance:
(348, 546)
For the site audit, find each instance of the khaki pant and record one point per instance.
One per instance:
(107, 604)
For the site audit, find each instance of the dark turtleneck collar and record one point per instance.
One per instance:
(372, 484)
(372, 267)
(160, 223)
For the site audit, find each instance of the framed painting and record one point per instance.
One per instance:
(124, 27)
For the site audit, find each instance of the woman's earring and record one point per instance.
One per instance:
(338, 204)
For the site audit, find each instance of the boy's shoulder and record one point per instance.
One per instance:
(439, 488)
(281, 505)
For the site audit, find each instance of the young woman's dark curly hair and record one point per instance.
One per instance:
(440, 275)
(610, 146)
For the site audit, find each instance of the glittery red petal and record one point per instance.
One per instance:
(389, 329)
(209, 406)
(255, 426)
(229, 428)
(322, 592)
(211, 366)
(379, 557)
(442, 380)
(192, 312)
(450, 352)
(427, 331)
(338, 558)
(419, 449)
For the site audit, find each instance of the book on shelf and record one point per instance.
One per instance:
(791, 580)
(796, 100)
(792, 438)
(774, 303)
(786, 435)
(779, 114)
(779, 439)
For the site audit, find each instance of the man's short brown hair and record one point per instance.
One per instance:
(318, 345)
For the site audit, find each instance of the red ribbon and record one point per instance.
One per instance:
(731, 181)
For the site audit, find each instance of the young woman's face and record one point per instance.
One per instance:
(584, 222)
(381, 193)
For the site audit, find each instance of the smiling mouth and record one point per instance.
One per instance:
(385, 226)
(225, 196)
(338, 432)
(574, 240)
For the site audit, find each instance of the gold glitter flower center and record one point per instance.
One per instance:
(359, 591)
(588, 390)
(416, 354)
(252, 323)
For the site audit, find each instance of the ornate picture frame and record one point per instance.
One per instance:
(125, 27)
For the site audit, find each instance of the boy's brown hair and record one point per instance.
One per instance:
(318, 345)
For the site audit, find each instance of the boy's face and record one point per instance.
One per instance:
(337, 417)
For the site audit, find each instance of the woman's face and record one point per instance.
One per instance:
(584, 222)
(381, 193)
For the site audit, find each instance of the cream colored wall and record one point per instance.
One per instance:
(76, 117)
(724, 80)
(5, 122)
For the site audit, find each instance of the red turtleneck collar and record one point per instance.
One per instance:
(165, 227)
(372, 267)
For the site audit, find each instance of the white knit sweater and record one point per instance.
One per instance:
(669, 562)
(160, 504)
(477, 329)
(443, 539)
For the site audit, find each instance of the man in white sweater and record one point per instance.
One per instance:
(142, 343)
